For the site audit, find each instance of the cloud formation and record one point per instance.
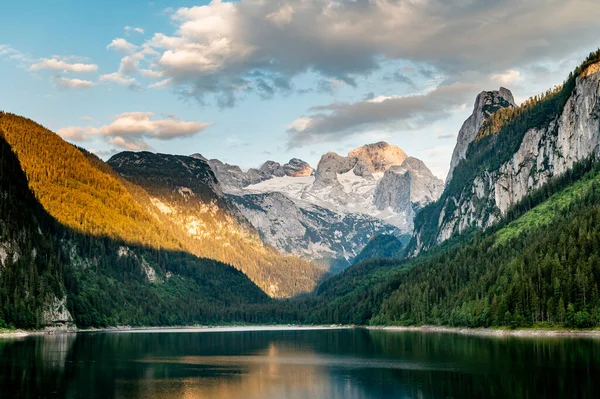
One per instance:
(219, 48)
(130, 129)
(62, 64)
(122, 46)
(67, 83)
(330, 122)
(130, 29)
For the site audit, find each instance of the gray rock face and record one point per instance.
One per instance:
(56, 311)
(407, 187)
(309, 231)
(234, 179)
(549, 151)
(297, 168)
(487, 103)
(365, 160)
(295, 213)
(270, 169)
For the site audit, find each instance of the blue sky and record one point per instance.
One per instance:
(255, 80)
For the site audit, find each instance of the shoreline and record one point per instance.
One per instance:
(488, 332)
(167, 329)
(492, 332)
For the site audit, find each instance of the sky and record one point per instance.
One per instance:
(259, 80)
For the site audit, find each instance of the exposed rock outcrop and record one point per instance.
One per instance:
(550, 150)
(297, 168)
(407, 187)
(487, 103)
(309, 231)
(378, 157)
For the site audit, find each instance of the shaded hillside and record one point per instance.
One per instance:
(185, 195)
(85, 194)
(76, 192)
(383, 246)
(51, 274)
(30, 275)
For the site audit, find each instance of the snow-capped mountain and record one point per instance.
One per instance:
(309, 231)
(375, 189)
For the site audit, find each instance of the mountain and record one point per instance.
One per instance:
(538, 267)
(232, 178)
(54, 274)
(486, 104)
(31, 292)
(310, 232)
(516, 150)
(185, 195)
(329, 214)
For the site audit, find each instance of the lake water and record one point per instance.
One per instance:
(343, 363)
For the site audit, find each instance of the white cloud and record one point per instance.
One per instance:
(129, 29)
(73, 133)
(407, 112)
(228, 48)
(121, 46)
(117, 78)
(161, 84)
(10, 53)
(62, 64)
(73, 83)
(283, 16)
(129, 130)
(507, 78)
(129, 144)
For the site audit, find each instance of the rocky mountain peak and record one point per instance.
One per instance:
(270, 169)
(486, 104)
(297, 168)
(378, 157)
(407, 187)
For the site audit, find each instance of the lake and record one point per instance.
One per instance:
(291, 363)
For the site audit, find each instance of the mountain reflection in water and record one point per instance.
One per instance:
(329, 363)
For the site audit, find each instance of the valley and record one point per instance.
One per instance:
(371, 238)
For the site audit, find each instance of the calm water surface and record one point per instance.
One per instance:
(349, 364)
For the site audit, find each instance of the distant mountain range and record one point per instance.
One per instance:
(328, 214)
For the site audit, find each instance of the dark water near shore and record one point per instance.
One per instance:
(349, 364)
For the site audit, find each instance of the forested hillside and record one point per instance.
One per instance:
(540, 267)
(184, 195)
(50, 273)
(515, 151)
(30, 275)
(85, 194)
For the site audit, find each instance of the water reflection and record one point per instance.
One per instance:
(354, 364)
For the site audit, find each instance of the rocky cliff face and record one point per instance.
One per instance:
(310, 232)
(328, 214)
(487, 103)
(378, 157)
(545, 151)
(407, 187)
(233, 178)
(297, 168)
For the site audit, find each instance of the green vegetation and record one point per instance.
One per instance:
(85, 194)
(498, 139)
(383, 246)
(518, 274)
(106, 281)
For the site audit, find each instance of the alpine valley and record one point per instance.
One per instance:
(372, 237)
